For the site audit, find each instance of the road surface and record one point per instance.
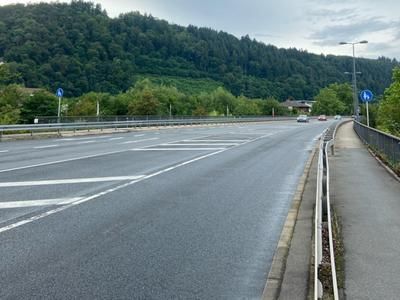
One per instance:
(181, 213)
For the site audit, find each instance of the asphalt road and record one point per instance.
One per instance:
(183, 213)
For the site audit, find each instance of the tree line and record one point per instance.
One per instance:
(149, 98)
(78, 47)
(144, 98)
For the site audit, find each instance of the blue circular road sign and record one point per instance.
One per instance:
(366, 96)
(60, 92)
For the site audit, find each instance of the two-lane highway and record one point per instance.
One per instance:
(184, 213)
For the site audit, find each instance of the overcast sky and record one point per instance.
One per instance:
(313, 25)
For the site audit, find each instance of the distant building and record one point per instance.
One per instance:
(300, 105)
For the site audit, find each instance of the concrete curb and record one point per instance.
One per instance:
(275, 277)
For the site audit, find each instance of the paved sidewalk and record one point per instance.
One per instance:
(367, 200)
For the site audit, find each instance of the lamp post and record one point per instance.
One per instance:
(355, 98)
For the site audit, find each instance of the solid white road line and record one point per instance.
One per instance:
(62, 161)
(47, 146)
(116, 138)
(85, 142)
(96, 196)
(200, 144)
(176, 149)
(138, 141)
(228, 141)
(67, 181)
(83, 138)
(32, 203)
(4, 151)
(137, 135)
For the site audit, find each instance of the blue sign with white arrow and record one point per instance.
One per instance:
(366, 96)
(59, 92)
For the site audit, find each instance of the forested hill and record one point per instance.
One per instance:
(78, 47)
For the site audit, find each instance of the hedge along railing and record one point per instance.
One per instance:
(58, 127)
(384, 143)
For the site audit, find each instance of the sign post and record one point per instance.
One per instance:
(366, 96)
(59, 94)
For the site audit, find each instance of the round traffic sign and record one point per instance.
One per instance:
(60, 92)
(366, 96)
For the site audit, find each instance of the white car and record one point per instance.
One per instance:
(302, 118)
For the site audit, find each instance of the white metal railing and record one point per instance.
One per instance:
(323, 217)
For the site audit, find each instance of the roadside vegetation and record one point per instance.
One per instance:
(145, 98)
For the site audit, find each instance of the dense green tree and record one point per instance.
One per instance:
(389, 107)
(344, 93)
(271, 105)
(224, 102)
(86, 105)
(39, 104)
(145, 104)
(8, 75)
(327, 103)
(247, 107)
(11, 99)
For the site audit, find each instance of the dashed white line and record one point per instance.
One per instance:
(137, 135)
(67, 181)
(33, 203)
(47, 146)
(85, 142)
(4, 151)
(137, 141)
(116, 138)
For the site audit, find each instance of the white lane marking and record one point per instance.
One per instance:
(246, 133)
(176, 149)
(137, 135)
(32, 203)
(85, 142)
(68, 181)
(116, 138)
(96, 196)
(82, 138)
(200, 144)
(75, 158)
(62, 161)
(47, 146)
(4, 151)
(228, 141)
(137, 141)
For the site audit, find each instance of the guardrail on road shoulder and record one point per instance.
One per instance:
(57, 127)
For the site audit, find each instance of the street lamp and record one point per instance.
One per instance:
(355, 98)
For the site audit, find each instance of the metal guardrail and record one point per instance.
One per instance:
(323, 218)
(387, 144)
(57, 127)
